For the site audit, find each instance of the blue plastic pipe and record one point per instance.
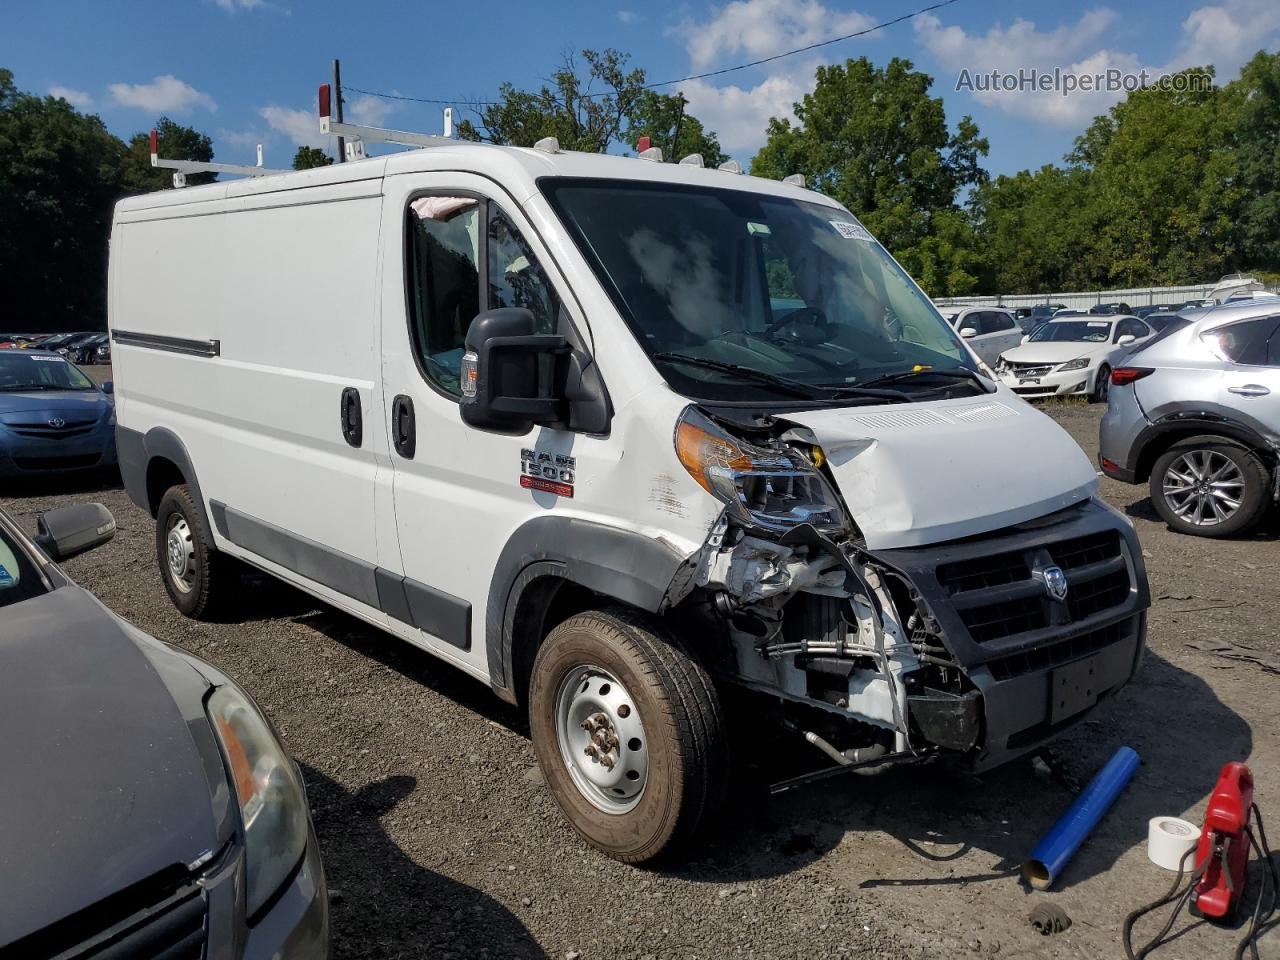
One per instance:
(1060, 844)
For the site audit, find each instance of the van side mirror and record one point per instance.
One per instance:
(508, 373)
(67, 531)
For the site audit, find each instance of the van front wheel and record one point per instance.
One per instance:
(629, 734)
(196, 576)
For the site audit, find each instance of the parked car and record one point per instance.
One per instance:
(149, 808)
(1196, 416)
(69, 347)
(59, 340)
(1159, 322)
(1145, 311)
(1070, 355)
(1036, 315)
(1110, 309)
(86, 350)
(987, 330)
(617, 435)
(53, 418)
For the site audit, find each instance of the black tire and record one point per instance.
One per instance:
(213, 576)
(1101, 385)
(685, 752)
(1253, 488)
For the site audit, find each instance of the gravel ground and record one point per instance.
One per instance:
(439, 839)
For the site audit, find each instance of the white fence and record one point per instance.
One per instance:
(1134, 297)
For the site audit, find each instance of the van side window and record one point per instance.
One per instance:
(515, 278)
(444, 282)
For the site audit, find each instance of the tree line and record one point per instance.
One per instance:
(1172, 185)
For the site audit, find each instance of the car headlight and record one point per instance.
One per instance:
(273, 804)
(775, 488)
(1079, 363)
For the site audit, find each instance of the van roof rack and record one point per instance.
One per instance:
(182, 167)
(358, 134)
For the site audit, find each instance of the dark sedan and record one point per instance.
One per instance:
(52, 417)
(149, 808)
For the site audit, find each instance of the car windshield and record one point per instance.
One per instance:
(18, 577)
(1078, 331)
(39, 371)
(711, 280)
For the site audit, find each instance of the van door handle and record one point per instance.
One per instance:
(404, 432)
(1250, 390)
(352, 417)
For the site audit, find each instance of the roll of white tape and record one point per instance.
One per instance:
(1168, 840)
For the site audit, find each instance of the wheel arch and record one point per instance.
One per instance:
(153, 462)
(1156, 439)
(553, 567)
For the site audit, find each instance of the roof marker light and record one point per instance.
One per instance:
(651, 153)
(326, 101)
(692, 160)
(796, 179)
(548, 145)
(730, 166)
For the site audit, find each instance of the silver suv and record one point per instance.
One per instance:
(1196, 413)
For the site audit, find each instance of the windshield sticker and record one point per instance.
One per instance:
(46, 356)
(6, 578)
(852, 231)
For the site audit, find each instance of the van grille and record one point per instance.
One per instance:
(1065, 651)
(1001, 596)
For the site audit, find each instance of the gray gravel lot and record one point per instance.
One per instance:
(439, 840)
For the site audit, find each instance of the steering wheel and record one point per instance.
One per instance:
(809, 317)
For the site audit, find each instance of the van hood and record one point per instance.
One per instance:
(928, 472)
(104, 786)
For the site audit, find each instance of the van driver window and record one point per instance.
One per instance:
(444, 292)
(444, 295)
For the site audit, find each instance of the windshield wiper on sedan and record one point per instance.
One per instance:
(949, 373)
(25, 387)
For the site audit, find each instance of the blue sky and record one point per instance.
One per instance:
(245, 71)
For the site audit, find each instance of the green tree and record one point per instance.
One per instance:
(308, 158)
(1258, 228)
(658, 116)
(177, 142)
(571, 107)
(60, 173)
(875, 140)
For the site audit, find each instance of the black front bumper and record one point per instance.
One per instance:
(1014, 640)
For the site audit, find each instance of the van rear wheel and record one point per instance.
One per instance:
(196, 576)
(629, 733)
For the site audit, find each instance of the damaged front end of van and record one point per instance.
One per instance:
(894, 612)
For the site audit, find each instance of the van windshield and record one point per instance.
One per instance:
(715, 283)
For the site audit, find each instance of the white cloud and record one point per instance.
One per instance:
(77, 98)
(370, 111)
(234, 5)
(300, 126)
(761, 28)
(164, 94)
(628, 17)
(752, 29)
(1223, 34)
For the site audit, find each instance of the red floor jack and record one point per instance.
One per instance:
(1217, 886)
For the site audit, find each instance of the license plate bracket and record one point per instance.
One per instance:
(1074, 688)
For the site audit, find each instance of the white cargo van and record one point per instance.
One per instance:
(611, 434)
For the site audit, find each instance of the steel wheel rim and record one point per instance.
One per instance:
(1203, 488)
(601, 739)
(180, 554)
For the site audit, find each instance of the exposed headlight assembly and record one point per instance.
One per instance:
(774, 488)
(273, 804)
(1079, 363)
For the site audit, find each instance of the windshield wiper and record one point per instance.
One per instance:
(794, 387)
(25, 387)
(950, 373)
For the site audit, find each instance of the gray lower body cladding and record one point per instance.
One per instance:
(1039, 659)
